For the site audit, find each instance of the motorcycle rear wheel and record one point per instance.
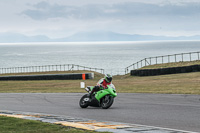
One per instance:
(107, 101)
(84, 101)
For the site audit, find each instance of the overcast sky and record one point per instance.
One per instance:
(62, 18)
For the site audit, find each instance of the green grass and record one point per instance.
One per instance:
(46, 86)
(187, 83)
(16, 125)
(184, 83)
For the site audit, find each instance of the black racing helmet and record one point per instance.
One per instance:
(108, 78)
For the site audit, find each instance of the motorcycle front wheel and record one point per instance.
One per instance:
(107, 101)
(84, 101)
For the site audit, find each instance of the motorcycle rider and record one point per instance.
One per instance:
(102, 83)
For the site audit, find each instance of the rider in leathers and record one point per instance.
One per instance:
(102, 83)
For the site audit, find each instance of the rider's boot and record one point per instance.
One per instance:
(90, 95)
(95, 89)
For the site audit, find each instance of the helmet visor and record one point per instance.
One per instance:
(109, 79)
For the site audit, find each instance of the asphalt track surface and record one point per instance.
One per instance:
(180, 112)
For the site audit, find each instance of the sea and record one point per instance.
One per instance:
(114, 57)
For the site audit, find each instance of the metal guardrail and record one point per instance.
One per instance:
(48, 68)
(192, 56)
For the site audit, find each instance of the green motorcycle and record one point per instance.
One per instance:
(103, 98)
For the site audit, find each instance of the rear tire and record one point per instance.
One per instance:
(107, 101)
(84, 101)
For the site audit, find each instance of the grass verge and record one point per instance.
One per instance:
(184, 83)
(16, 125)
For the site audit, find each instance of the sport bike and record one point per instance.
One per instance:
(104, 98)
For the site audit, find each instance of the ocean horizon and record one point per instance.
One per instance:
(96, 42)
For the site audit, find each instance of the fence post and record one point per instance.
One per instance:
(72, 66)
(198, 55)
(190, 56)
(150, 60)
(175, 57)
(145, 61)
(64, 67)
(156, 60)
(182, 57)
(102, 70)
(168, 58)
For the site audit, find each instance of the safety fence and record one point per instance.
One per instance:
(66, 76)
(48, 68)
(192, 56)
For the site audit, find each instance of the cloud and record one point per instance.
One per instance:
(64, 18)
(45, 10)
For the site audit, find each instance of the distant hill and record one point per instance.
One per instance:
(16, 37)
(89, 36)
(111, 36)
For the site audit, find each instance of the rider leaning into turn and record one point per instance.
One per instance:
(102, 83)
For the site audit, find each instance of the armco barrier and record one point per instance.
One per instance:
(71, 76)
(163, 71)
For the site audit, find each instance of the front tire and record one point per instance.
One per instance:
(84, 101)
(107, 101)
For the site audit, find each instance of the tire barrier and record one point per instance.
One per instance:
(163, 71)
(71, 76)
